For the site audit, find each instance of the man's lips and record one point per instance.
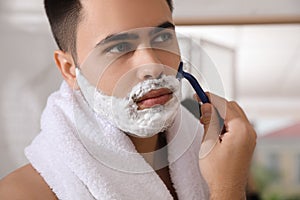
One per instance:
(154, 97)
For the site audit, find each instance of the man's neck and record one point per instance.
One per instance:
(145, 146)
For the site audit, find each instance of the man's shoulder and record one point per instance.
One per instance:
(25, 183)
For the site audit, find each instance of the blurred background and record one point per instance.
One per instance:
(254, 46)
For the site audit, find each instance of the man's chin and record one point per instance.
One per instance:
(141, 137)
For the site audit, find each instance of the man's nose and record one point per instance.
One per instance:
(149, 67)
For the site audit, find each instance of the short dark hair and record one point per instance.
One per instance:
(64, 17)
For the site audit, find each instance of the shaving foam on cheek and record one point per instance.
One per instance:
(124, 113)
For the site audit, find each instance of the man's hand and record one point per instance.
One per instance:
(226, 166)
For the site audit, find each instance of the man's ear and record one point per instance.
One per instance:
(66, 65)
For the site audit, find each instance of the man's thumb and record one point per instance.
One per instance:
(206, 111)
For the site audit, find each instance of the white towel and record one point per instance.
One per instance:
(84, 157)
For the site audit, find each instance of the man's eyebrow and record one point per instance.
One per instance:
(132, 36)
(165, 25)
(118, 37)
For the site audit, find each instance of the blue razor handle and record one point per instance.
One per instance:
(193, 81)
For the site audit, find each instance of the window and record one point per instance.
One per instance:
(273, 163)
(298, 169)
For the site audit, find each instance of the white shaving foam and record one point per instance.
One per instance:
(124, 113)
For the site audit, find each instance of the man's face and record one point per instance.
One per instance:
(104, 18)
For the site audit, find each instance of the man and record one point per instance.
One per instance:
(79, 27)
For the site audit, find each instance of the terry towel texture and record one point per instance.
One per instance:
(84, 157)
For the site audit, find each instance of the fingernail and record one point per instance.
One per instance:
(206, 111)
(195, 96)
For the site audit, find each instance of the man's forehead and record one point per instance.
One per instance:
(102, 18)
(125, 14)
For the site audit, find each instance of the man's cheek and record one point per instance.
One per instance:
(117, 84)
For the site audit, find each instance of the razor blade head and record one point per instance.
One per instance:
(179, 75)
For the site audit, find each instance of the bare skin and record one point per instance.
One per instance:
(98, 23)
(226, 167)
(146, 145)
(25, 184)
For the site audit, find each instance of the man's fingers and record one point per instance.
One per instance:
(228, 110)
(206, 110)
(219, 103)
(210, 120)
(209, 115)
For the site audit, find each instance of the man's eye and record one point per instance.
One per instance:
(164, 37)
(123, 47)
